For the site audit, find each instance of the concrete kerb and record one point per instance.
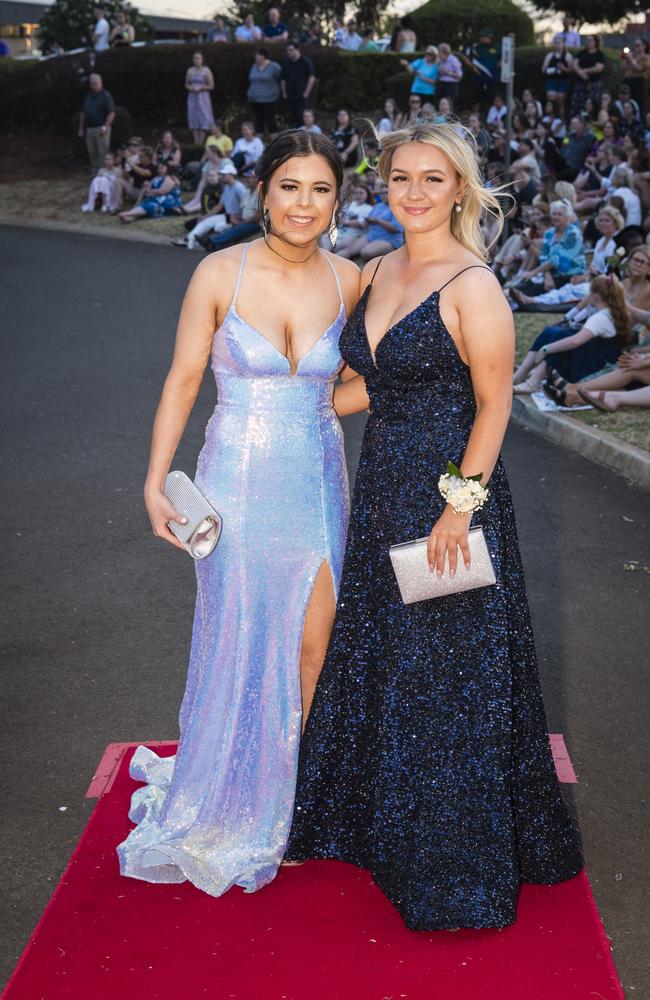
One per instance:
(596, 445)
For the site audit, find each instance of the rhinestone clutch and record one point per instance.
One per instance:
(201, 533)
(417, 583)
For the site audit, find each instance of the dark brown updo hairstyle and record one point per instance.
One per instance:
(296, 142)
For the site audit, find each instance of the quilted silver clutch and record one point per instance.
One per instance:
(417, 583)
(201, 533)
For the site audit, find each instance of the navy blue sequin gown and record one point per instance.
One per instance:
(426, 756)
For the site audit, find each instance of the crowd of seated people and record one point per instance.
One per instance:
(577, 193)
(144, 178)
(576, 243)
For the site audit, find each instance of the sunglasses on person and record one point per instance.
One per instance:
(415, 100)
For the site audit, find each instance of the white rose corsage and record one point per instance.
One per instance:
(463, 493)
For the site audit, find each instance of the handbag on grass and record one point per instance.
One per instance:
(201, 532)
(416, 582)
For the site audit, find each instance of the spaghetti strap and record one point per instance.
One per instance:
(233, 304)
(468, 268)
(374, 273)
(336, 277)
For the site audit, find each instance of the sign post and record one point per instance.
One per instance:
(508, 77)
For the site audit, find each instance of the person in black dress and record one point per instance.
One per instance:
(346, 139)
(426, 756)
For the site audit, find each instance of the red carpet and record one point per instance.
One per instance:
(319, 932)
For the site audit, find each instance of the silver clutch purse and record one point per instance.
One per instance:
(201, 533)
(417, 583)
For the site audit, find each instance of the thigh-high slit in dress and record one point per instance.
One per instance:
(218, 813)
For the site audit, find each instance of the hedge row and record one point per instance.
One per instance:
(149, 81)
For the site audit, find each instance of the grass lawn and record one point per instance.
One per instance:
(60, 200)
(630, 425)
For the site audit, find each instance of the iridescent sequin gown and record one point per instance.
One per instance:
(426, 757)
(219, 813)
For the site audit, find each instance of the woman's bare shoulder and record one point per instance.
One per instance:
(223, 263)
(469, 272)
(475, 292)
(216, 275)
(348, 274)
(371, 268)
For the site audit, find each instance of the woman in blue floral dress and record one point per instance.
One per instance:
(562, 254)
(162, 197)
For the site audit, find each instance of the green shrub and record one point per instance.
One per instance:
(122, 127)
(458, 22)
(35, 93)
(149, 82)
(359, 81)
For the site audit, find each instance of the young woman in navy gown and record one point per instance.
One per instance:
(426, 756)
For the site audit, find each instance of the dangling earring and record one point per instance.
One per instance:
(458, 207)
(333, 232)
(266, 222)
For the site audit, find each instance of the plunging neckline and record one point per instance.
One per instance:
(373, 354)
(232, 308)
(258, 333)
(366, 295)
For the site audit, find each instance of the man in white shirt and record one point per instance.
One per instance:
(351, 40)
(227, 211)
(248, 31)
(247, 149)
(497, 113)
(249, 225)
(568, 35)
(527, 160)
(309, 122)
(101, 31)
(338, 31)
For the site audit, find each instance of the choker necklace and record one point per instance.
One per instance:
(288, 259)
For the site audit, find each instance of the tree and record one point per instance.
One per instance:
(458, 22)
(297, 13)
(597, 11)
(69, 22)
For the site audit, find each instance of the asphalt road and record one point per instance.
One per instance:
(97, 613)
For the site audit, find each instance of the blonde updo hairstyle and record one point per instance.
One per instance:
(565, 191)
(612, 213)
(459, 146)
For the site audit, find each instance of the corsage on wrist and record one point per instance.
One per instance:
(463, 493)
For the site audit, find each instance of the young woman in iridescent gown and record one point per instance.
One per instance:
(426, 756)
(218, 813)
